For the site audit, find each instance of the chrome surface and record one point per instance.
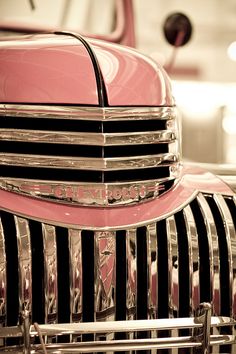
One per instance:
(105, 256)
(201, 324)
(98, 194)
(143, 279)
(231, 245)
(50, 266)
(25, 261)
(85, 113)
(98, 139)
(173, 274)
(193, 253)
(3, 282)
(96, 145)
(75, 256)
(105, 164)
(213, 253)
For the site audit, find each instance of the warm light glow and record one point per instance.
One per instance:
(229, 123)
(232, 51)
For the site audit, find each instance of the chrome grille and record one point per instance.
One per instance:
(50, 151)
(160, 270)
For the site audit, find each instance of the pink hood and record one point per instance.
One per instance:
(57, 69)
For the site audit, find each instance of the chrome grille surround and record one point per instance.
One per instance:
(89, 155)
(145, 279)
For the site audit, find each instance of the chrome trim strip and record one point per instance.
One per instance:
(201, 337)
(83, 193)
(78, 138)
(84, 163)
(231, 244)
(105, 262)
(24, 263)
(50, 269)
(173, 261)
(214, 253)
(76, 274)
(193, 258)
(88, 113)
(152, 262)
(3, 277)
(131, 252)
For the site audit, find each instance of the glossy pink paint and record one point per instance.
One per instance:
(56, 69)
(131, 78)
(46, 69)
(192, 181)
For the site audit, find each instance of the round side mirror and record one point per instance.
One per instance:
(177, 29)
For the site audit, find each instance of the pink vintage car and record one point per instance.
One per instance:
(108, 242)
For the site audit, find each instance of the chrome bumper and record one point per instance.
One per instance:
(200, 328)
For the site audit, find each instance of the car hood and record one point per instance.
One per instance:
(64, 68)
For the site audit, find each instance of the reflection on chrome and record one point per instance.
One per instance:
(76, 274)
(200, 325)
(25, 261)
(50, 265)
(3, 282)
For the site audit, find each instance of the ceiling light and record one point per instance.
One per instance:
(232, 51)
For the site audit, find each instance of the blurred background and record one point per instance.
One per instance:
(204, 74)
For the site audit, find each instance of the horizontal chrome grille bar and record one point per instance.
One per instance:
(85, 113)
(82, 163)
(200, 326)
(98, 139)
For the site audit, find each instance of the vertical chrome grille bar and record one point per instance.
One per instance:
(173, 267)
(50, 266)
(75, 256)
(131, 274)
(105, 275)
(231, 243)
(214, 253)
(193, 259)
(152, 271)
(3, 279)
(25, 264)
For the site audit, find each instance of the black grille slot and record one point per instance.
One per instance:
(53, 124)
(38, 305)
(134, 126)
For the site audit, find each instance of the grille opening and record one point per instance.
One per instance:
(88, 278)
(53, 124)
(162, 258)
(204, 261)
(38, 305)
(163, 277)
(140, 174)
(224, 257)
(183, 255)
(64, 272)
(135, 150)
(142, 274)
(121, 275)
(134, 125)
(50, 174)
(44, 149)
